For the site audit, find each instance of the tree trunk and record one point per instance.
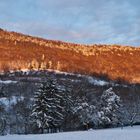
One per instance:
(42, 130)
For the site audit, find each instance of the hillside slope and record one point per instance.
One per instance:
(18, 51)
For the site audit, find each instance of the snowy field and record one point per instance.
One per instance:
(128, 133)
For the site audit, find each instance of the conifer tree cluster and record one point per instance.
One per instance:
(54, 106)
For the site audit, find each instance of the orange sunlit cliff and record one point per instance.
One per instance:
(18, 51)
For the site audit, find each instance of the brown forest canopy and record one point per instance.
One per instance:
(18, 51)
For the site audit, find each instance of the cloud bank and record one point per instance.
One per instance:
(79, 21)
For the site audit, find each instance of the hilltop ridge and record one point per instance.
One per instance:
(19, 51)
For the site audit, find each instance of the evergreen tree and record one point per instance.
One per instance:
(109, 108)
(40, 108)
(85, 112)
(50, 105)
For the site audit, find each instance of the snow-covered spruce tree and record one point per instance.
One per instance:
(85, 112)
(40, 108)
(109, 109)
(67, 104)
(49, 106)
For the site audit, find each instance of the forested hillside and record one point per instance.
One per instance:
(22, 52)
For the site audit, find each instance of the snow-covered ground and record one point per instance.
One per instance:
(128, 133)
(12, 100)
(7, 82)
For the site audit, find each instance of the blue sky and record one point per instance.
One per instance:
(79, 21)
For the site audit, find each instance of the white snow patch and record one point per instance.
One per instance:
(10, 101)
(7, 82)
(97, 82)
(128, 133)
